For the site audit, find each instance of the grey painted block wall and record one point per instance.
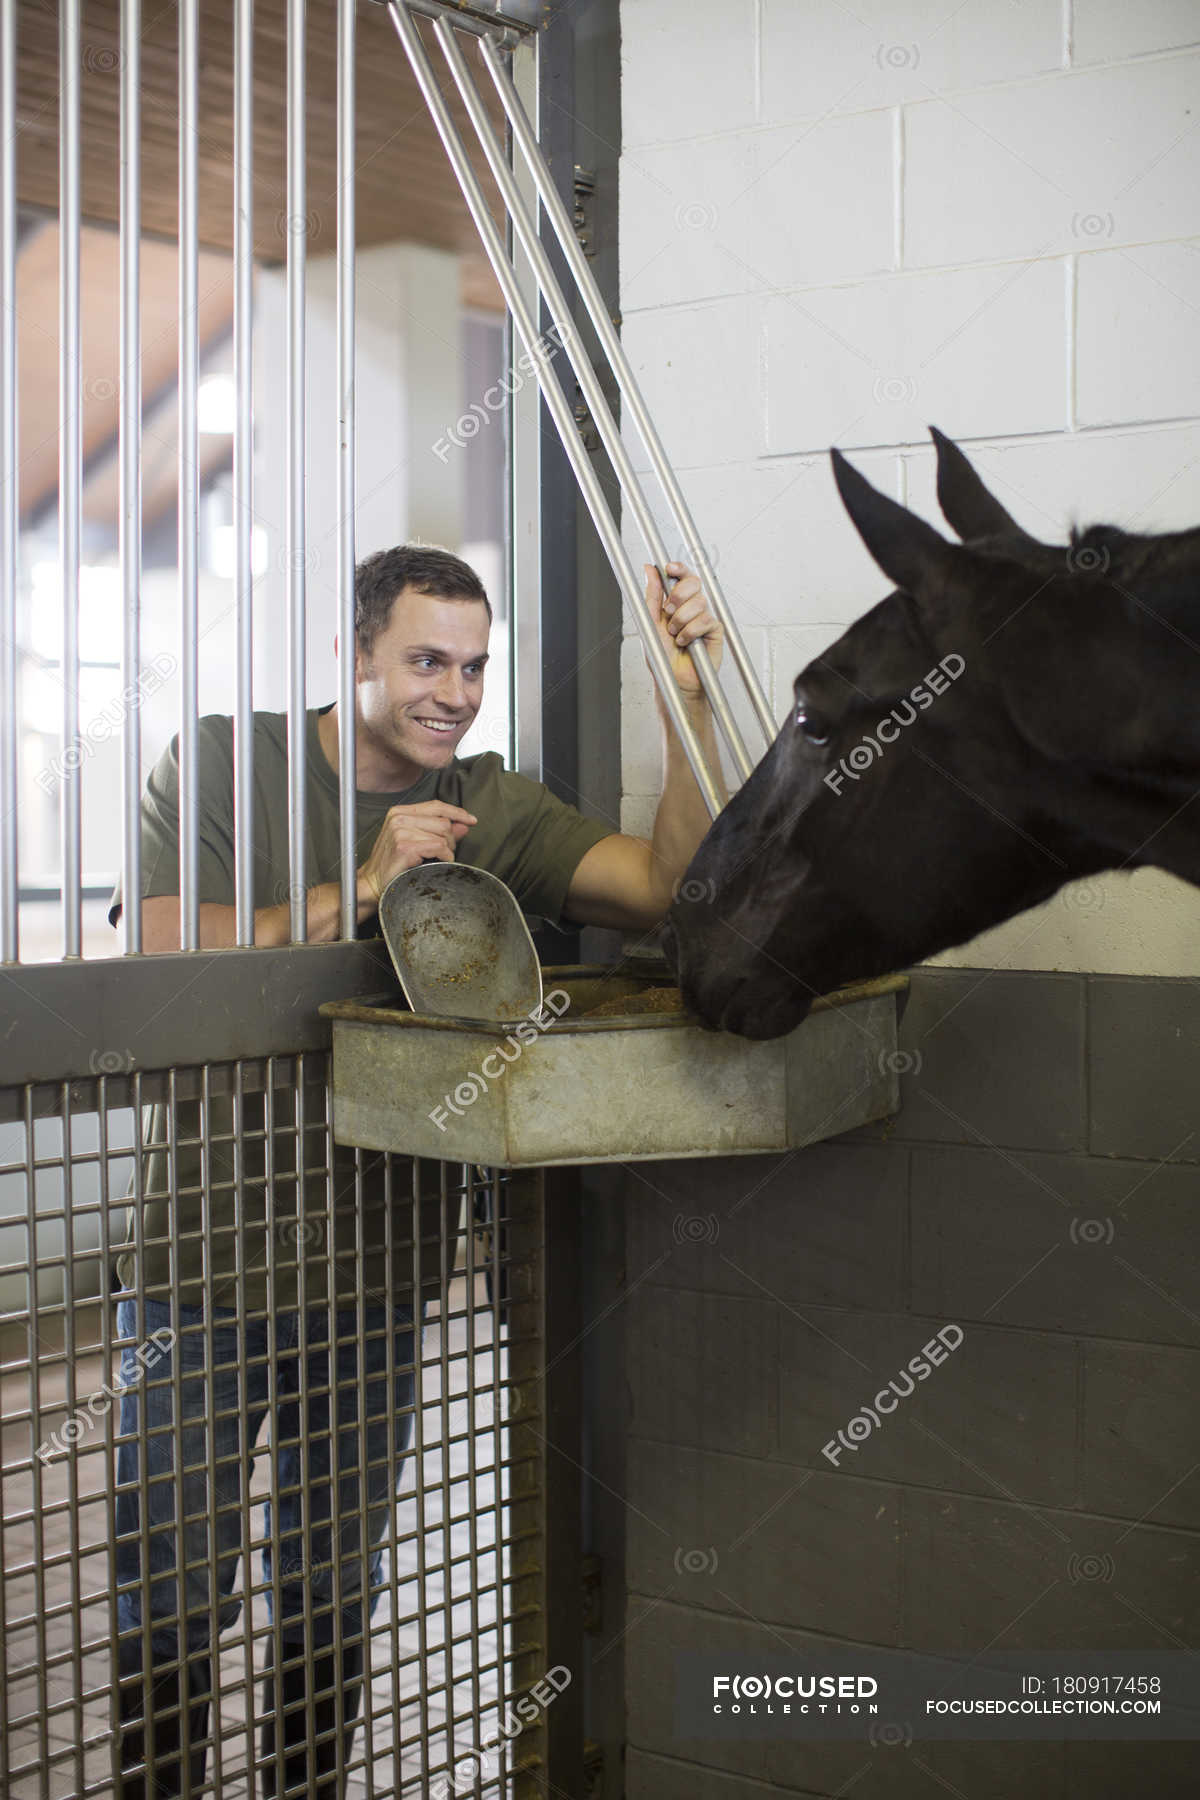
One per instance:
(1041, 1189)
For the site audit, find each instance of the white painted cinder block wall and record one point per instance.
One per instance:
(840, 224)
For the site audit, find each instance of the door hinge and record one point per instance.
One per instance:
(585, 188)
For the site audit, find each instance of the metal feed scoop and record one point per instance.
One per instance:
(459, 944)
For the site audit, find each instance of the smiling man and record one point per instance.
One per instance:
(244, 1270)
(422, 621)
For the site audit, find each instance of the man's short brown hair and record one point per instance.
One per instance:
(381, 578)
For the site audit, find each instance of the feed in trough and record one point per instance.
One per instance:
(650, 1000)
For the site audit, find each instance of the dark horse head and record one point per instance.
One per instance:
(1013, 716)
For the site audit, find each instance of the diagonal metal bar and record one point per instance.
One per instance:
(593, 393)
(564, 231)
(556, 401)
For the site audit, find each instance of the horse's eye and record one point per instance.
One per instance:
(814, 729)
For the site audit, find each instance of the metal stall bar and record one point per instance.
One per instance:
(73, 1582)
(207, 1224)
(107, 1329)
(523, 136)
(297, 226)
(70, 466)
(556, 402)
(239, 1140)
(346, 247)
(243, 466)
(525, 502)
(274, 1771)
(526, 229)
(130, 524)
(38, 1494)
(189, 476)
(421, 1545)
(9, 484)
(360, 1288)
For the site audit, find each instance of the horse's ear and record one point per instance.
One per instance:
(910, 552)
(965, 502)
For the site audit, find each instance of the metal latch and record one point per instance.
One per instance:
(586, 424)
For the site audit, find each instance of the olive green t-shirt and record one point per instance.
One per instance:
(527, 836)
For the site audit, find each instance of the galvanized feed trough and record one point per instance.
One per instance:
(562, 1088)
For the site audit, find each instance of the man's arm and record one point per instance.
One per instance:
(428, 830)
(628, 882)
(272, 924)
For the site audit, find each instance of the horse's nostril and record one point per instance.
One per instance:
(669, 946)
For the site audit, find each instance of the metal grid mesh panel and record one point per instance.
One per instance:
(262, 1534)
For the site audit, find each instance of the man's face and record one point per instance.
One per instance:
(422, 684)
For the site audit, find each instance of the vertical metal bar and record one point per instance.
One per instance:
(389, 1364)
(245, 1460)
(498, 1397)
(547, 1326)
(143, 1434)
(297, 194)
(561, 527)
(130, 526)
(560, 1273)
(472, 1361)
(189, 483)
(359, 1429)
(37, 1497)
(182, 1726)
(560, 412)
(107, 1310)
(211, 1428)
(360, 1335)
(613, 349)
(71, 1402)
(346, 246)
(9, 483)
(304, 1401)
(273, 1776)
(243, 465)
(524, 501)
(418, 1503)
(444, 1435)
(70, 464)
(593, 394)
(527, 1499)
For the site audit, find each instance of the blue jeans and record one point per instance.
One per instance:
(213, 1411)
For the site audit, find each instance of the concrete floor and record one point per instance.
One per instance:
(76, 1758)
